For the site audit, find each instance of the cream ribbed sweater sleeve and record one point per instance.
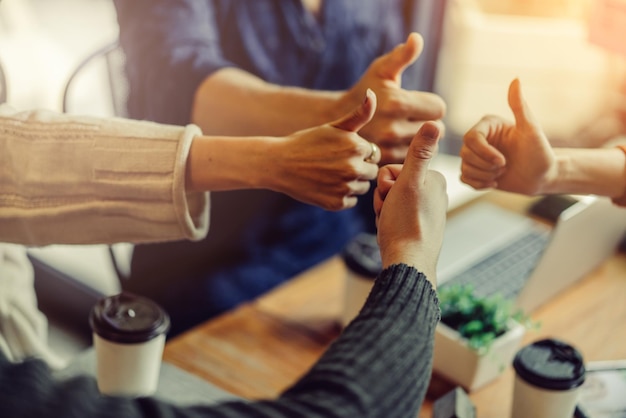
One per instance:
(81, 180)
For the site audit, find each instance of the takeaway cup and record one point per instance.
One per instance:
(129, 336)
(548, 376)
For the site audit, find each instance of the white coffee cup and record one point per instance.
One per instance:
(548, 377)
(362, 259)
(129, 336)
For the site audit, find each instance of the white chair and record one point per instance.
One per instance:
(69, 279)
(98, 86)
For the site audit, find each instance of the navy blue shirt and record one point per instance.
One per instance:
(257, 239)
(173, 45)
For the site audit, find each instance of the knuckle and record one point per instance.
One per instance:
(423, 153)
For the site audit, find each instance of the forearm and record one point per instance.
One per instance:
(80, 180)
(220, 163)
(599, 171)
(382, 362)
(379, 367)
(234, 102)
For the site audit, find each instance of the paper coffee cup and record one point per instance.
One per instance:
(129, 336)
(548, 376)
(362, 259)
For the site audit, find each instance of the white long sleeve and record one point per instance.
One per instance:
(80, 180)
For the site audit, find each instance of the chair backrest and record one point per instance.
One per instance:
(3, 85)
(98, 85)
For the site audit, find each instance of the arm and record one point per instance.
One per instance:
(600, 171)
(518, 158)
(339, 385)
(324, 166)
(69, 179)
(361, 374)
(89, 180)
(230, 94)
(180, 70)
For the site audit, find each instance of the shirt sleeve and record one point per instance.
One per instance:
(81, 180)
(379, 367)
(171, 46)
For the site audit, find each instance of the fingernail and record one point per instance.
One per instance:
(430, 130)
(368, 92)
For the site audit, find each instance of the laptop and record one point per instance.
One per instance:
(503, 252)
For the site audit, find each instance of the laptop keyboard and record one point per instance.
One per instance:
(505, 271)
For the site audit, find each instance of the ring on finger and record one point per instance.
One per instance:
(374, 156)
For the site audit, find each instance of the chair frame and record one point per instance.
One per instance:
(105, 51)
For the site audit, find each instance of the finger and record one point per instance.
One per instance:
(521, 110)
(403, 55)
(378, 203)
(476, 160)
(423, 106)
(355, 120)
(476, 140)
(374, 155)
(422, 149)
(478, 184)
(386, 178)
(369, 171)
(349, 202)
(358, 188)
(476, 173)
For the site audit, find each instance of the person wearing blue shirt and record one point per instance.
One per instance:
(264, 68)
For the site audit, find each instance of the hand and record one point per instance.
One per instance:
(330, 165)
(410, 204)
(400, 112)
(512, 157)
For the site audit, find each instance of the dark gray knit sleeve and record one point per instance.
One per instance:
(381, 364)
(379, 367)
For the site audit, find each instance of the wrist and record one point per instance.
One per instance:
(228, 163)
(599, 171)
(553, 179)
(414, 256)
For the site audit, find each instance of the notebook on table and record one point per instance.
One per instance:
(497, 251)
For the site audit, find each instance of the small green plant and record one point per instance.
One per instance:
(479, 320)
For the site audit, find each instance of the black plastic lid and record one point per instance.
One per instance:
(127, 318)
(550, 364)
(362, 255)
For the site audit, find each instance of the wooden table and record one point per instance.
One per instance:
(260, 348)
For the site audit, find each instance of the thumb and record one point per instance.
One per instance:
(355, 120)
(403, 55)
(517, 103)
(422, 149)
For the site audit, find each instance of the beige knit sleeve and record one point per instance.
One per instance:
(81, 180)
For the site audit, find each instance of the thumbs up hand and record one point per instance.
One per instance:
(514, 157)
(410, 203)
(400, 112)
(329, 165)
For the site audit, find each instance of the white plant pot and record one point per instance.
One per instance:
(462, 365)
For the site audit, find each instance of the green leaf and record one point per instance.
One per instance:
(479, 320)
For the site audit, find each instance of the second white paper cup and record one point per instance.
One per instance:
(548, 377)
(129, 336)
